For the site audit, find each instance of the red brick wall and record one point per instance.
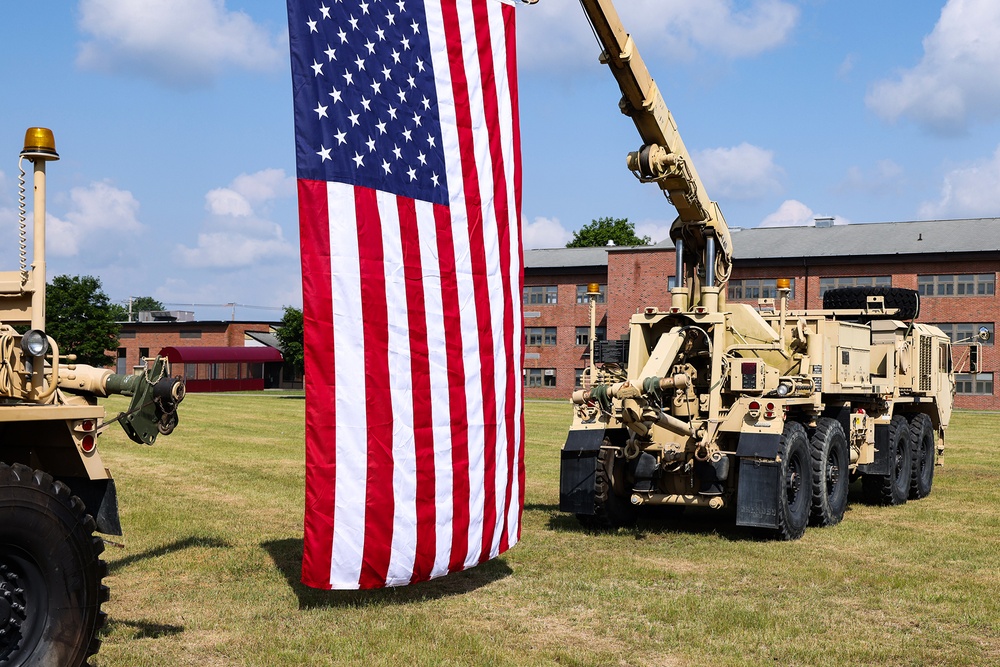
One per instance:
(157, 335)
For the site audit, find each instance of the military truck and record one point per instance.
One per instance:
(55, 491)
(768, 410)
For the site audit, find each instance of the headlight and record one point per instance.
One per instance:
(35, 343)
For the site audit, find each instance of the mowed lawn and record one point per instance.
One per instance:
(213, 545)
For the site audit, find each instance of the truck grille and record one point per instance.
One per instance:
(925, 363)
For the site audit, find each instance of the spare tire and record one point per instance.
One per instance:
(856, 298)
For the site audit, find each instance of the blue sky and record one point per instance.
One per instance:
(174, 123)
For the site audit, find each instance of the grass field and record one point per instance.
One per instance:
(209, 574)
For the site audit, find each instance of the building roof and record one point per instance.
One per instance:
(268, 339)
(220, 355)
(565, 258)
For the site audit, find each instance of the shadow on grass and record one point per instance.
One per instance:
(143, 629)
(177, 545)
(664, 521)
(287, 556)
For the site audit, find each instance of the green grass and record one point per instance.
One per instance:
(209, 575)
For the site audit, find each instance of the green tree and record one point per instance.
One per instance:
(139, 303)
(79, 318)
(291, 338)
(599, 232)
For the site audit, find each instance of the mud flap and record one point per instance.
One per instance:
(882, 465)
(757, 493)
(100, 497)
(578, 469)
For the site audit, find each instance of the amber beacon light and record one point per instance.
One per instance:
(39, 144)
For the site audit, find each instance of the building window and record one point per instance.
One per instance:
(540, 336)
(975, 284)
(966, 332)
(539, 377)
(191, 333)
(583, 334)
(671, 282)
(757, 288)
(980, 384)
(143, 353)
(581, 294)
(853, 281)
(578, 377)
(534, 295)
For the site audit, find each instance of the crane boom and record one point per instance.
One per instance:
(700, 231)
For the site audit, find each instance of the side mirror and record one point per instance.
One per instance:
(984, 334)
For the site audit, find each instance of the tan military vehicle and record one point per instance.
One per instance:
(768, 410)
(55, 491)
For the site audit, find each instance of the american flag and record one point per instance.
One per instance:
(409, 178)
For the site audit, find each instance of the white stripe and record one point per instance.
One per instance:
(349, 355)
(437, 356)
(404, 461)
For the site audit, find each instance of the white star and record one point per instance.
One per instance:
(416, 27)
(395, 56)
(336, 95)
(380, 33)
(324, 153)
(406, 135)
(331, 53)
(412, 173)
(376, 87)
(381, 126)
(385, 165)
(353, 21)
(312, 25)
(342, 35)
(434, 179)
(416, 119)
(430, 140)
(392, 112)
(358, 159)
(411, 81)
(402, 6)
(320, 111)
(366, 103)
(370, 46)
(364, 7)
(392, 18)
(427, 103)
(402, 96)
(360, 63)
(317, 67)
(406, 44)
(420, 65)
(398, 152)
(371, 145)
(324, 10)
(386, 72)
(341, 137)
(348, 77)
(422, 158)
(354, 118)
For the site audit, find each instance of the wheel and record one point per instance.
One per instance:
(50, 572)
(892, 489)
(830, 461)
(611, 510)
(795, 487)
(854, 298)
(922, 450)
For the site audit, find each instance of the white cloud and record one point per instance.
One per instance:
(793, 213)
(237, 234)
(656, 230)
(182, 43)
(969, 191)
(93, 213)
(741, 172)
(955, 81)
(885, 178)
(556, 33)
(544, 233)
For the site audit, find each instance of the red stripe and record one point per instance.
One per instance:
(477, 252)
(456, 389)
(379, 503)
(423, 426)
(321, 415)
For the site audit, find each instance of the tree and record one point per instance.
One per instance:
(80, 319)
(139, 303)
(291, 338)
(599, 232)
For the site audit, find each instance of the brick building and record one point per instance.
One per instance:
(226, 372)
(952, 263)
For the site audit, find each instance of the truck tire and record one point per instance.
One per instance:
(892, 489)
(922, 451)
(50, 572)
(831, 462)
(795, 482)
(610, 510)
(853, 298)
